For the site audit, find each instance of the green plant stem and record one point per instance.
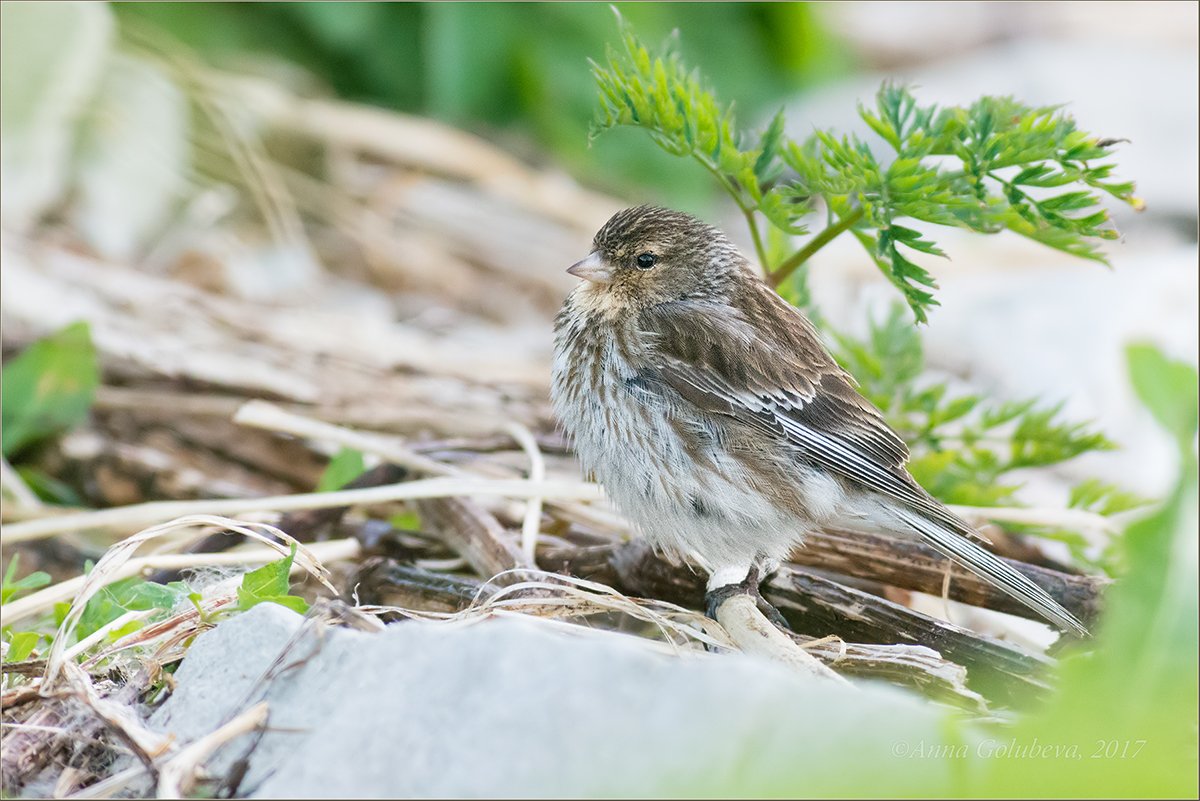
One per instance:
(747, 211)
(827, 235)
(758, 243)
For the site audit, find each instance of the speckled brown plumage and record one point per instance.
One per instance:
(715, 419)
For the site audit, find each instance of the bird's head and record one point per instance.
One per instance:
(649, 255)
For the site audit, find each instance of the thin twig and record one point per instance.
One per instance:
(269, 417)
(142, 514)
(531, 525)
(475, 534)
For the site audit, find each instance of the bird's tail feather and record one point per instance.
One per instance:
(991, 568)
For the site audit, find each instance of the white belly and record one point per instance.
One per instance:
(630, 440)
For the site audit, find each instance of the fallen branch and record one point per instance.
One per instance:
(819, 607)
(912, 565)
(385, 582)
(476, 535)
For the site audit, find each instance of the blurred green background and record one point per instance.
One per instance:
(517, 72)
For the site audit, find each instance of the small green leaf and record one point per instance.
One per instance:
(21, 645)
(11, 587)
(270, 579)
(769, 147)
(249, 600)
(407, 521)
(49, 387)
(344, 467)
(957, 408)
(269, 584)
(1103, 498)
(48, 488)
(131, 594)
(128, 628)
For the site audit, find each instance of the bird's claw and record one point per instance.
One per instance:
(714, 598)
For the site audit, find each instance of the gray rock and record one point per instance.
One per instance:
(513, 708)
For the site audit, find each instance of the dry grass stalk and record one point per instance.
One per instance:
(533, 506)
(177, 776)
(157, 511)
(267, 416)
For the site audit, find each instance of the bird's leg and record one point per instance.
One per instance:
(723, 591)
(774, 615)
(756, 627)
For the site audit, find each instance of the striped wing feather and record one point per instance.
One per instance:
(791, 389)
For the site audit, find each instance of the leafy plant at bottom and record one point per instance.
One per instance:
(128, 595)
(1139, 688)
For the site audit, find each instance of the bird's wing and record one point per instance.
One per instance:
(790, 388)
(787, 387)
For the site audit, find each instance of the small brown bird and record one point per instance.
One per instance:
(714, 418)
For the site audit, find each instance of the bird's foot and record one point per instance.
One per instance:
(756, 627)
(747, 586)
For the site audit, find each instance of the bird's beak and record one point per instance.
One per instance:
(592, 269)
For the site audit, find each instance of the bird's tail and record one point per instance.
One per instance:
(991, 568)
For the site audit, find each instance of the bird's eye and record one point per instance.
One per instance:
(646, 261)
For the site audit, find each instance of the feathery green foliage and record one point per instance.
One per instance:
(963, 446)
(995, 165)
